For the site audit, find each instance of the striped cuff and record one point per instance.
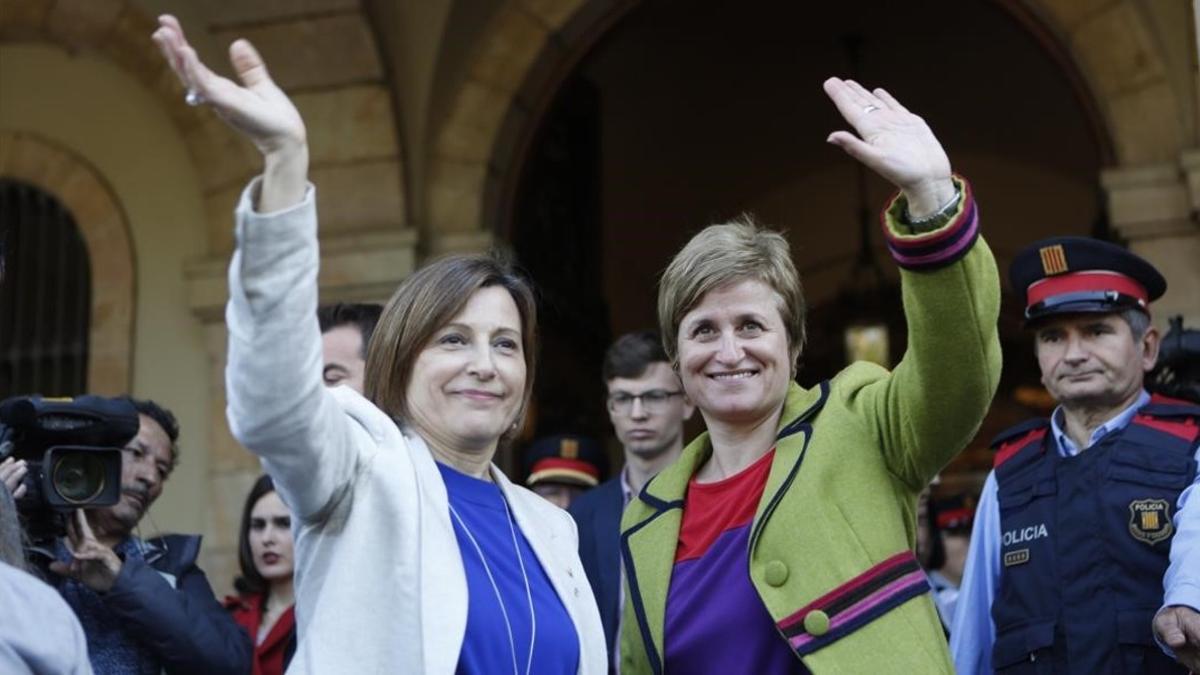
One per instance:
(932, 250)
(855, 603)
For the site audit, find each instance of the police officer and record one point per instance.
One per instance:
(1086, 516)
(562, 467)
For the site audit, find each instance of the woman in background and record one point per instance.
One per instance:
(264, 602)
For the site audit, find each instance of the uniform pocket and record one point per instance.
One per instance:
(1139, 652)
(1024, 649)
(1160, 470)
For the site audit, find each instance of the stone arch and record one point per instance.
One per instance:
(529, 45)
(1118, 50)
(105, 231)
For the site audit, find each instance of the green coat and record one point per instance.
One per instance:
(837, 519)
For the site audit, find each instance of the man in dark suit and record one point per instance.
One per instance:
(647, 407)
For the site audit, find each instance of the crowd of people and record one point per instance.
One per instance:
(794, 535)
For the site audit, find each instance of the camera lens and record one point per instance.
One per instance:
(78, 477)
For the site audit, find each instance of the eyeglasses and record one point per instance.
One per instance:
(652, 401)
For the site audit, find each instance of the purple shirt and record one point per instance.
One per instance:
(715, 621)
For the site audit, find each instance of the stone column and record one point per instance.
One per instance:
(1155, 207)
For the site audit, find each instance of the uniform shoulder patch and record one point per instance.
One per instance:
(1171, 415)
(1014, 432)
(1009, 443)
(1165, 406)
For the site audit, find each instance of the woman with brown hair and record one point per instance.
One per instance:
(781, 540)
(266, 557)
(414, 553)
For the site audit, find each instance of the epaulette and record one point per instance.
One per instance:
(1165, 406)
(1012, 440)
(1174, 416)
(1018, 430)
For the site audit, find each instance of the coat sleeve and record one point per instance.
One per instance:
(1181, 583)
(931, 406)
(185, 627)
(278, 406)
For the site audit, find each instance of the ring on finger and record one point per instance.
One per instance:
(870, 108)
(193, 98)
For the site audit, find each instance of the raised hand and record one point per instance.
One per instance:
(93, 564)
(1179, 628)
(257, 108)
(894, 143)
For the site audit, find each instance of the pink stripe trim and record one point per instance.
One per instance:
(865, 605)
(857, 582)
(965, 241)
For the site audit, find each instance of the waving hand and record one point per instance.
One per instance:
(894, 143)
(257, 108)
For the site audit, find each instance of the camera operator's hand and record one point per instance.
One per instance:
(95, 565)
(12, 472)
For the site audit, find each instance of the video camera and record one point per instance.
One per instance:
(1177, 372)
(73, 450)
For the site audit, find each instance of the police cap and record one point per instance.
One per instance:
(565, 458)
(1070, 275)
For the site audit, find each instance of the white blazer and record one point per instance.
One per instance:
(380, 586)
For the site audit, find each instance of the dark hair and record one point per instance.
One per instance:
(250, 581)
(631, 354)
(165, 419)
(424, 303)
(362, 315)
(937, 551)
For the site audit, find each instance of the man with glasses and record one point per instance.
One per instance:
(648, 408)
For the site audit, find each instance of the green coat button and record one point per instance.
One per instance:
(776, 573)
(816, 623)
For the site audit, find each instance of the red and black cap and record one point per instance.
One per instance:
(567, 459)
(954, 513)
(1072, 275)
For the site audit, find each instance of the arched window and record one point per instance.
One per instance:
(45, 295)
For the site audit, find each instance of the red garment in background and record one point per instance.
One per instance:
(268, 654)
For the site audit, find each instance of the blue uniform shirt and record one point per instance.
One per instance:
(973, 632)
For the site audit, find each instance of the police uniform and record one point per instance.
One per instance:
(952, 515)
(1068, 555)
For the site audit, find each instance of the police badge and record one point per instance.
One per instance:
(1150, 520)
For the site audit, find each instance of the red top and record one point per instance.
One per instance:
(269, 653)
(713, 508)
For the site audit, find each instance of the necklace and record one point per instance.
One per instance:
(512, 644)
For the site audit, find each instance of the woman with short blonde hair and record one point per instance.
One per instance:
(719, 254)
(414, 553)
(781, 540)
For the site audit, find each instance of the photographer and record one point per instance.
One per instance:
(144, 605)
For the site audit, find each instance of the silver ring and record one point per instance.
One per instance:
(193, 98)
(870, 109)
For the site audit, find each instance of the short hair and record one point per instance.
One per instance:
(729, 252)
(631, 354)
(165, 419)
(362, 315)
(422, 305)
(1137, 320)
(250, 580)
(1134, 317)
